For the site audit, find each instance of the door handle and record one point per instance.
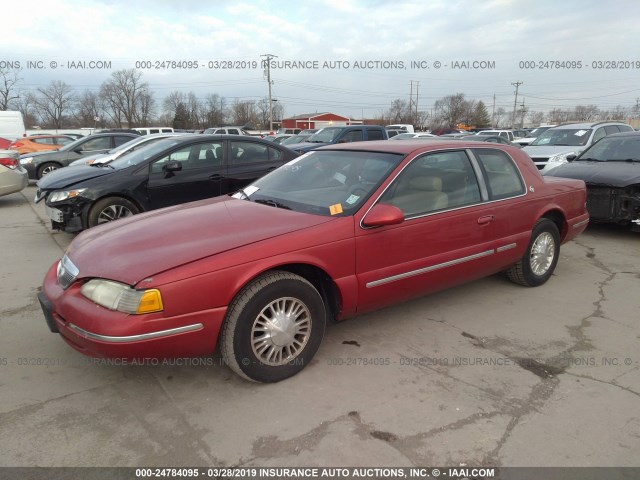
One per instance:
(485, 220)
(215, 176)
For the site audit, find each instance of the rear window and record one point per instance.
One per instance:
(503, 177)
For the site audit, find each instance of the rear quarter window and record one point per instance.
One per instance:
(502, 176)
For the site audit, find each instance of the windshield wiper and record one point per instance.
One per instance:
(273, 203)
(589, 160)
(625, 160)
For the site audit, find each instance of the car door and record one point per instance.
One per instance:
(92, 146)
(248, 161)
(200, 174)
(446, 237)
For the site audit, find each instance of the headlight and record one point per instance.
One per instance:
(560, 158)
(121, 297)
(26, 161)
(60, 195)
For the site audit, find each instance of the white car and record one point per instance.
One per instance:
(13, 176)
(508, 134)
(532, 135)
(125, 148)
(405, 136)
(553, 146)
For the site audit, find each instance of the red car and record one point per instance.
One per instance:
(336, 232)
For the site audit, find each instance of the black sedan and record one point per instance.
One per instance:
(168, 172)
(41, 163)
(611, 170)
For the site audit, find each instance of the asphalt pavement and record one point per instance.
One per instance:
(484, 374)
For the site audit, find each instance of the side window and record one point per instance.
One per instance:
(610, 129)
(275, 155)
(625, 128)
(434, 182)
(599, 134)
(503, 177)
(121, 140)
(243, 153)
(374, 134)
(233, 131)
(43, 141)
(201, 155)
(100, 143)
(352, 136)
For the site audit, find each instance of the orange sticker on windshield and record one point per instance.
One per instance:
(335, 209)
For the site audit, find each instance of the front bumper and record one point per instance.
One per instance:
(69, 216)
(99, 332)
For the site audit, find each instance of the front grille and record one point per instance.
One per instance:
(67, 272)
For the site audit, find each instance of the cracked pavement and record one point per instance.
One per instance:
(484, 374)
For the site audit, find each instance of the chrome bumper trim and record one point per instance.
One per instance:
(579, 224)
(134, 338)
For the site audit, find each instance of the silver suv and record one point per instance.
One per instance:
(553, 146)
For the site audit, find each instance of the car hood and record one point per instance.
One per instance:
(132, 249)
(64, 177)
(614, 174)
(550, 150)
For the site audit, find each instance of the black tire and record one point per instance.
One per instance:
(45, 168)
(539, 261)
(261, 356)
(111, 208)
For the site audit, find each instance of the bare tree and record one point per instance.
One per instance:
(499, 116)
(215, 110)
(27, 105)
(54, 102)
(558, 116)
(450, 110)
(89, 108)
(399, 112)
(586, 113)
(8, 91)
(535, 118)
(244, 113)
(127, 98)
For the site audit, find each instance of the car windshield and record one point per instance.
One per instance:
(138, 156)
(295, 139)
(326, 135)
(329, 183)
(613, 149)
(563, 136)
(536, 132)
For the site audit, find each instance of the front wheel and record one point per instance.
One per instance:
(45, 168)
(273, 328)
(539, 261)
(109, 209)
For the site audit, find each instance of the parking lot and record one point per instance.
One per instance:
(485, 374)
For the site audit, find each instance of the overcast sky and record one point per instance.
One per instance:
(383, 37)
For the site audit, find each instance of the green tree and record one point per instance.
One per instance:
(181, 119)
(481, 116)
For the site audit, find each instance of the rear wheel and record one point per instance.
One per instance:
(45, 168)
(273, 328)
(109, 209)
(541, 257)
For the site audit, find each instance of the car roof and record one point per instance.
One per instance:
(406, 147)
(587, 124)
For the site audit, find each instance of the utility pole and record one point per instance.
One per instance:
(493, 112)
(417, 87)
(411, 100)
(515, 103)
(522, 112)
(267, 63)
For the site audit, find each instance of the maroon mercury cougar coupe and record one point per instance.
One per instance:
(336, 232)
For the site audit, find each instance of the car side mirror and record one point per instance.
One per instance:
(572, 157)
(383, 214)
(172, 166)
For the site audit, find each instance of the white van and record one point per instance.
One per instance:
(12, 125)
(407, 128)
(150, 130)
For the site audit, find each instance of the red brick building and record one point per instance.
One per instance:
(317, 120)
